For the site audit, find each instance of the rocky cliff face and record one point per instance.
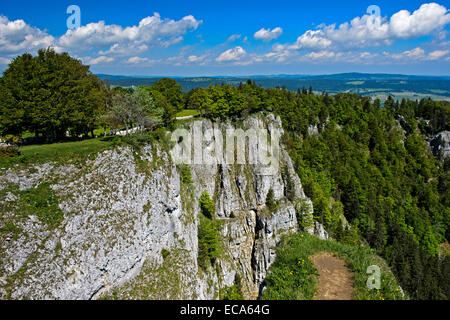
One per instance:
(130, 225)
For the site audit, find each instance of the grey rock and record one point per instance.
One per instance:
(440, 144)
(119, 218)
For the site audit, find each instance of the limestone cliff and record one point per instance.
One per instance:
(129, 228)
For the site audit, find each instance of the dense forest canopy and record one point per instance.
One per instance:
(366, 167)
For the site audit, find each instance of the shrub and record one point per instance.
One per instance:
(207, 205)
(165, 253)
(231, 293)
(270, 201)
(234, 292)
(290, 186)
(209, 241)
(185, 173)
(142, 138)
(304, 215)
(10, 227)
(9, 151)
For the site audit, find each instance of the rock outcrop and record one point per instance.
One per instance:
(440, 144)
(130, 225)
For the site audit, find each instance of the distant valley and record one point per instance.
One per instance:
(374, 85)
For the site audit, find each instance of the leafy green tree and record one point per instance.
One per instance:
(50, 94)
(168, 117)
(132, 109)
(199, 100)
(172, 91)
(209, 241)
(18, 90)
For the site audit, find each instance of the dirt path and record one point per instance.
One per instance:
(335, 279)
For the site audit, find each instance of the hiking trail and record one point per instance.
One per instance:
(335, 280)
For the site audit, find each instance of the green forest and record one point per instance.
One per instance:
(366, 166)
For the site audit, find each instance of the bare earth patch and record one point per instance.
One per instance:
(335, 279)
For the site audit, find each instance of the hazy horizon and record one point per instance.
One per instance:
(275, 75)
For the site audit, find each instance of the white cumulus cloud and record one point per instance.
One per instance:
(17, 37)
(268, 35)
(321, 55)
(414, 54)
(435, 55)
(427, 18)
(234, 37)
(311, 40)
(151, 31)
(371, 30)
(139, 60)
(98, 60)
(234, 54)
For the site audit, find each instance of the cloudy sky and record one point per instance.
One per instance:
(195, 38)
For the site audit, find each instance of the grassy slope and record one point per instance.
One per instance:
(293, 275)
(65, 152)
(187, 113)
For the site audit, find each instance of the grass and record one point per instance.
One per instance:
(187, 113)
(293, 275)
(43, 202)
(40, 201)
(64, 152)
(99, 132)
(77, 152)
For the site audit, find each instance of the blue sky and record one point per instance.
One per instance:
(195, 38)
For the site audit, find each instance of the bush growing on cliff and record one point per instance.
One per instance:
(185, 173)
(304, 214)
(270, 201)
(234, 292)
(207, 205)
(209, 241)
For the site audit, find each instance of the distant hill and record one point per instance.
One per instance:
(374, 76)
(338, 76)
(119, 77)
(375, 85)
